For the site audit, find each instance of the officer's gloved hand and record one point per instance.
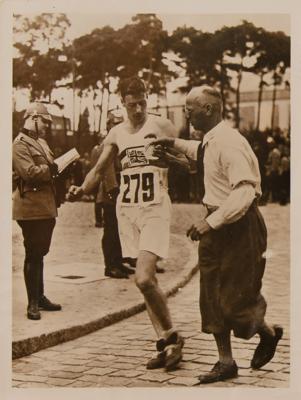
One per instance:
(54, 170)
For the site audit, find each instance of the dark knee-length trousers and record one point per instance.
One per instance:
(232, 264)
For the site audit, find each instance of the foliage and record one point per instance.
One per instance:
(38, 43)
(146, 42)
(45, 58)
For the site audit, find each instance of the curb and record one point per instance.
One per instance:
(28, 346)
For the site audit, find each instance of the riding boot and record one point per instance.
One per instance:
(44, 303)
(41, 280)
(31, 277)
(26, 271)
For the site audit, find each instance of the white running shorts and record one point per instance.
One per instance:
(145, 228)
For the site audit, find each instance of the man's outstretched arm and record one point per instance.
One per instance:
(93, 177)
(187, 147)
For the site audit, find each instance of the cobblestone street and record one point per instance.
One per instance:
(115, 356)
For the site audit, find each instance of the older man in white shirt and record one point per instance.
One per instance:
(232, 235)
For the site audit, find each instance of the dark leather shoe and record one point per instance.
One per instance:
(116, 273)
(157, 361)
(173, 348)
(266, 348)
(169, 353)
(47, 305)
(220, 372)
(33, 311)
(126, 269)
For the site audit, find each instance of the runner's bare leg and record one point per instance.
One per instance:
(155, 299)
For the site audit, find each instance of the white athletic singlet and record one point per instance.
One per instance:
(143, 179)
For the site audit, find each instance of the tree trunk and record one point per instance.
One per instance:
(167, 106)
(259, 101)
(237, 113)
(100, 111)
(223, 89)
(100, 115)
(150, 74)
(273, 104)
(78, 130)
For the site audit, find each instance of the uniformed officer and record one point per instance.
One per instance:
(34, 202)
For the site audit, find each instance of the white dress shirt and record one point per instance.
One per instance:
(231, 173)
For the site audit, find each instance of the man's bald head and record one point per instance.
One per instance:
(204, 107)
(205, 94)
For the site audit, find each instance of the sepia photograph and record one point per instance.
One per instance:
(148, 200)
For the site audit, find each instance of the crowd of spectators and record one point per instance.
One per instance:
(272, 149)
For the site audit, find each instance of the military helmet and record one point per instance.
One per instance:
(37, 109)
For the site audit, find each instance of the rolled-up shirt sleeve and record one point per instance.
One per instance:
(234, 207)
(188, 147)
(239, 166)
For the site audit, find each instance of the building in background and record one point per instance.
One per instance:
(174, 109)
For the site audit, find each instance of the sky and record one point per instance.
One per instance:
(85, 23)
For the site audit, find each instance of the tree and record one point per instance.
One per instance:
(261, 68)
(273, 57)
(38, 44)
(96, 57)
(278, 62)
(240, 43)
(147, 43)
(202, 55)
(135, 49)
(190, 45)
(218, 46)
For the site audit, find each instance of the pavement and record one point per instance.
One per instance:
(74, 277)
(115, 355)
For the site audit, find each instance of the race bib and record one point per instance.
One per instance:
(140, 187)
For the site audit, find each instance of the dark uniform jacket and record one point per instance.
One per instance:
(108, 187)
(34, 197)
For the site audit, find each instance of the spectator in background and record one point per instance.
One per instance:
(273, 164)
(107, 194)
(77, 173)
(284, 180)
(86, 163)
(98, 203)
(260, 151)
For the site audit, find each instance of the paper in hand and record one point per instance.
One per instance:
(66, 159)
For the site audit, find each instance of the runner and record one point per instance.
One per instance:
(143, 208)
